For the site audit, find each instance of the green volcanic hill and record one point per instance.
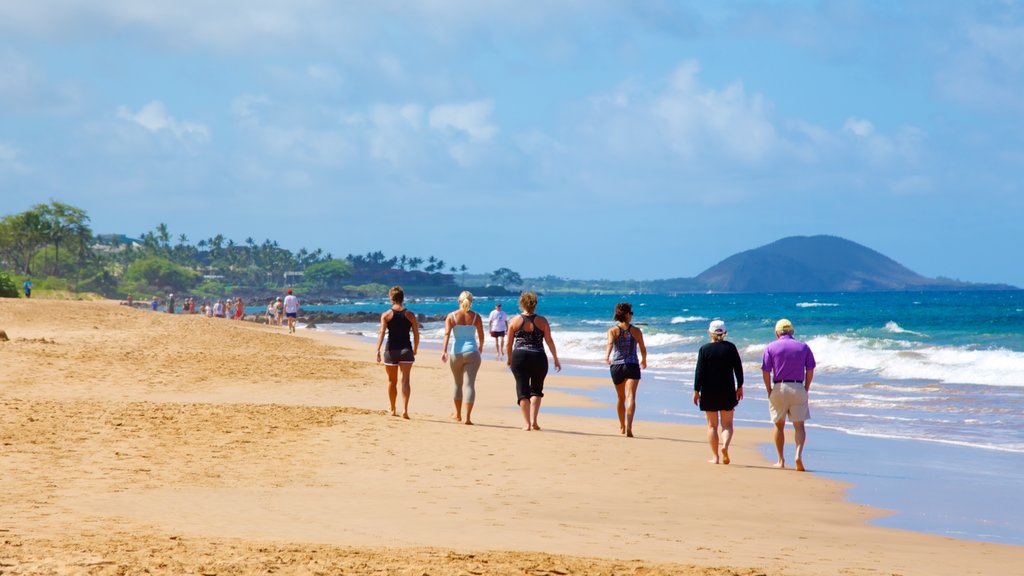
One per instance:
(820, 264)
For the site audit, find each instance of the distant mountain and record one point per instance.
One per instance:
(820, 264)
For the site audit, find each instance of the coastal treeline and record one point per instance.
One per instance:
(55, 246)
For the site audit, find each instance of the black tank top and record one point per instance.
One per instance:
(532, 340)
(399, 328)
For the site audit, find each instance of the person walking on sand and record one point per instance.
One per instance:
(620, 354)
(27, 287)
(497, 323)
(718, 387)
(278, 311)
(398, 322)
(524, 352)
(787, 368)
(464, 359)
(291, 310)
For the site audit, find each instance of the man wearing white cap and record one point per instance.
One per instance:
(718, 387)
(787, 368)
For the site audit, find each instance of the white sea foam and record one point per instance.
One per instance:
(1013, 447)
(906, 361)
(816, 305)
(668, 339)
(895, 328)
(682, 319)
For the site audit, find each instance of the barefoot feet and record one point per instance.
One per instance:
(725, 456)
(799, 465)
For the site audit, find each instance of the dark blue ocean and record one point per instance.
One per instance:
(918, 398)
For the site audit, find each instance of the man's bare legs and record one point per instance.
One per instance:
(780, 441)
(726, 434)
(499, 346)
(800, 435)
(712, 418)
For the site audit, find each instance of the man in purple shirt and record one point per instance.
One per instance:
(788, 367)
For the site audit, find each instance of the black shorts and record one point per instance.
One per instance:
(623, 372)
(400, 356)
(529, 368)
(496, 334)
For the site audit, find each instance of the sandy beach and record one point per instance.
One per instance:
(137, 442)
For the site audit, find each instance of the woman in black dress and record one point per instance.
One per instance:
(718, 387)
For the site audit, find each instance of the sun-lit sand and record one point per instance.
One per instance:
(133, 441)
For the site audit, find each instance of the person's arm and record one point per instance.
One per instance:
(766, 372)
(737, 368)
(449, 322)
(640, 343)
(608, 348)
(698, 379)
(480, 332)
(808, 376)
(551, 343)
(508, 341)
(380, 333)
(415, 331)
(490, 322)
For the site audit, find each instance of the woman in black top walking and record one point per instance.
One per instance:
(718, 387)
(525, 352)
(623, 340)
(400, 353)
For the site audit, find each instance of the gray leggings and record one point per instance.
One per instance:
(468, 364)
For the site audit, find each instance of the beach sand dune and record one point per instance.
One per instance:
(135, 442)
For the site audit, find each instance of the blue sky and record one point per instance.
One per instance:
(586, 139)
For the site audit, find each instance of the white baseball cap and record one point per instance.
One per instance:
(717, 327)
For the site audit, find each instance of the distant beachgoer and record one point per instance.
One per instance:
(465, 353)
(620, 354)
(718, 387)
(27, 287)
(218, 309)
(170, 303)
(229, 309)
(239, 309)
(130, 299)
(271, 311)
(291, 309)
(524, 351)
(278, 311)
(398, 322)
(788, 368)
(497, 324)
(154, 304)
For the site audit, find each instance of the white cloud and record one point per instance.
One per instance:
(472, 119)
(393, 133)
(324, 74)
(154, 118)
(246, 107)
(858, 127)
(10, 159)
(24, 87)
(729, 120)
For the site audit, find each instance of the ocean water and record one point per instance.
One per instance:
(916, 396)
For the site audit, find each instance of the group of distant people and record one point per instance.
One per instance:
(279, 311)
(787, 367)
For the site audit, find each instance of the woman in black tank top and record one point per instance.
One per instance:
(524, 348)
(400, 354)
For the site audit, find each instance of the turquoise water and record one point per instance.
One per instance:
(916, 395)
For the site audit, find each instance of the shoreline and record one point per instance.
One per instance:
(127, 433)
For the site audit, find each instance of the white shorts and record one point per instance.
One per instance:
(788, 399)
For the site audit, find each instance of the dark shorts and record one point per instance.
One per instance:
(529, 368)
(292, 314)
(495, 334)
(623, 372)
(396, 357)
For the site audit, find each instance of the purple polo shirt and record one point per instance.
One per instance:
(787, 359)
